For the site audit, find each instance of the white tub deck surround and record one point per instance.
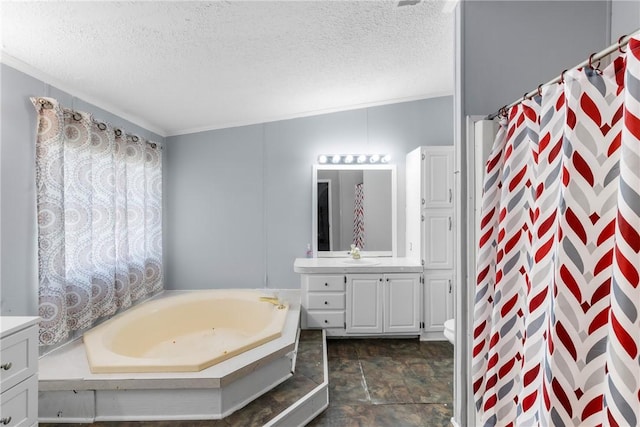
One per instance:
(185, 333)
(70, 392)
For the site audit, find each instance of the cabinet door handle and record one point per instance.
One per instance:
(449, 223)
(449, 285)
(6, 420)
(450, 195)
(6, 366)
(424, 201)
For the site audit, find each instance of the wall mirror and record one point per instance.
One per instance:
(354, 204)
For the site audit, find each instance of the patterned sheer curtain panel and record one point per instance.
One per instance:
(99, 204)
(557, 308)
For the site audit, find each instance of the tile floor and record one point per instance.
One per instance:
(372, 383)
(388, 382)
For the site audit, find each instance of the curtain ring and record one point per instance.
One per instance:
(503, 111)
(562, 77)
(591, 62)
(118, 132)
(540, 89)
(620, 44)
(47, 105)
(134, 138)
(77, 116)
(524, 97)
(102, 126)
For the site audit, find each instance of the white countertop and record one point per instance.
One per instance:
(363, 265)
(11, 324)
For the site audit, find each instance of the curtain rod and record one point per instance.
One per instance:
(622, 42)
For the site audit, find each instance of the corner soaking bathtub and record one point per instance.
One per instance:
(184, 333)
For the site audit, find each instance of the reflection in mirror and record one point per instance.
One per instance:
(354, 205)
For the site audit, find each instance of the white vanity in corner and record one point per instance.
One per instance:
(366, 297)
(19, 371)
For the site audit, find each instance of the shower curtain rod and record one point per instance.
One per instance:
(622, 42)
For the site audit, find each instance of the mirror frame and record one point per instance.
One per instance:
(314, 210)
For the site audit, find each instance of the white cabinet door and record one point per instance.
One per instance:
(438, 300)
(438, 239)
(402, 303)
(438, 177)
(364, 303)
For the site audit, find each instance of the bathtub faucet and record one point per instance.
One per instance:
(273, 300)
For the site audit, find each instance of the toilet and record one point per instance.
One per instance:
(449, 330)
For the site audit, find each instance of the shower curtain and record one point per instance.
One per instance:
(99, 205)
(556, 324)
(358, 217)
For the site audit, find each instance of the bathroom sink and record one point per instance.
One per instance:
(361, 261)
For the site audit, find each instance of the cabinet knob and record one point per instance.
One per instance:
(326, 284)
(424, 201)
(326, 321)
(6, 420)
(326, 303)
(6, 366)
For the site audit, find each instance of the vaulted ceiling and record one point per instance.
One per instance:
(179, 67)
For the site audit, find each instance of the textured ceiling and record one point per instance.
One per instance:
(179, 67)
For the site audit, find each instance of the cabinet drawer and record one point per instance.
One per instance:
(19, 358)
(325, 319)
(325, 283)
(20, 404)
(325, 301)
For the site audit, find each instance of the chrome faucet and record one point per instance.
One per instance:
(273, 300)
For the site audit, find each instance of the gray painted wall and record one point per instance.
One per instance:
(239, 200)
(625, 18)
(18, 234)
(510, 47)
(377, 210)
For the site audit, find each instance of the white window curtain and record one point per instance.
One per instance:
(99, 204)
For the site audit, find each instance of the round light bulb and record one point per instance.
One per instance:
(386, 159)
(362, 158)
(374, 158)
(348, 158)
(322, 159)
(335, 159)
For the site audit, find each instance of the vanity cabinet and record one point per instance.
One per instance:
(438, 246)
(438, 287)
(374, 297)
(431, 233)
(18, 371)
(383, 304)
(323, 301)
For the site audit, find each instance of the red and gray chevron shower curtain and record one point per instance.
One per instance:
(358, 217)
(557, 309)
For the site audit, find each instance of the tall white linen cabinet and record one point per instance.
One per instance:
(430, 227)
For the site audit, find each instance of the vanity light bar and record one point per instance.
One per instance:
(345, 159)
